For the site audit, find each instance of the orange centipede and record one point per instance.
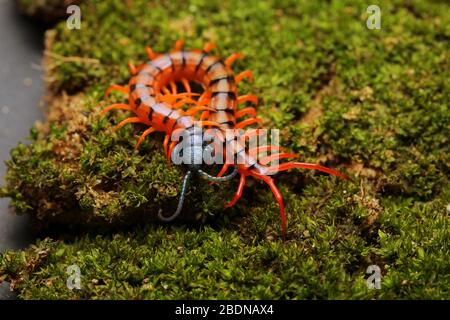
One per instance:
(154, 99)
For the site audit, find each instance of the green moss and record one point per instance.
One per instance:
(374, 102)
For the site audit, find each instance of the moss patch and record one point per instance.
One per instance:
(373, 102)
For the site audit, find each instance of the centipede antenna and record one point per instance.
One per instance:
(180, 201)
(209, 177)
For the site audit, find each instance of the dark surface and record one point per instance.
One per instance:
(21, 88)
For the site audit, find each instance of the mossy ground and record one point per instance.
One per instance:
(374, 103)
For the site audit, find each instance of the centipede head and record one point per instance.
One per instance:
(189, 153)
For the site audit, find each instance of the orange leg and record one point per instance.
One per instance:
(116, 87)
(209, 123)
(142, 137)
(268, 159)
(169, 153)
(204, 99)
(238, 193)
(248, 98)
(128, 120)
(208, 47)
(132, 68)
(255, 151)
(246, 111)
(247, 74)
(179, 45)
(247, 122)
(305, 165)
(223, 170)
(229, 61)
(182, 102)
(173, 87)
(166, 144)
(150, 54)
(186, 85)
(171, 98)
(166, 91)
(279, 198)
(120, 106)
(251, 133)
(204, 116)
(186, 94)
(192, 111)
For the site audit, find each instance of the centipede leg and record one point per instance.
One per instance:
(305, 165)
(229, 61)
(238, 193)
(166, 144)
(126, 121)
(116, 87)
(209, 123)
(142, 137)
(203, 99)
(247, 122)
(250, 111)
(150, 54)
(120, 106)
(173, 87)
(179, 45)
(251, 133)
(186, 85)
(279, 199)
(166, 91)
(169, 153)
(268, 159)
(171, 98)
(223, 170)
(253, 152)
(184, 101)
(186, 94)
(208, 47)
(247, 74)
(247, 98)
(204, 116)
(192, 111)
(132, 68)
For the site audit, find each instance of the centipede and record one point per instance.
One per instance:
(155, 99)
